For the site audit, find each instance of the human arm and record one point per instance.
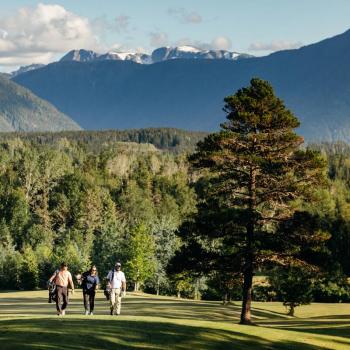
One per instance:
(97, 283)
(123, 286)
(70, 281)
(109, 278)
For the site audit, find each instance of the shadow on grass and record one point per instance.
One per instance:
(333, 325)
(138, 306)
(93, 334)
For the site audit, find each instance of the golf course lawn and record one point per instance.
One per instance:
(27, 321)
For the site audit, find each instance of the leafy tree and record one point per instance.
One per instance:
(10, 260)
(183, 284)
(38, 234)
(293, 286)
(332, 287)
(110, 245)
(141, 262)
(256, 170)
(77, 259)
(166, 243)
(29, 273)
(46, 263)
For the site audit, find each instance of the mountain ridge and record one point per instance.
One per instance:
(157, 55)
(187, 93)
(21, 110)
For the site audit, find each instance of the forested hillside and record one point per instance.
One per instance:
(163, 138)
(63, 200)
(60, 202)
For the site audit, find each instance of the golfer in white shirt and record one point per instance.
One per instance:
(117, 285)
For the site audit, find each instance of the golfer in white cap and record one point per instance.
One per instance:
(117, 285)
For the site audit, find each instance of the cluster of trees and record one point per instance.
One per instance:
(60, 202)
(251, 200)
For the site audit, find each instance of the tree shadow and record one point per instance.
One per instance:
(333, 325)
(93, 334)
(138, 306)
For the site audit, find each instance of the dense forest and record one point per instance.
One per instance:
(171, 139)
(126, 201)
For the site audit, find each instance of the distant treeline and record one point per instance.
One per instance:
(176, 140)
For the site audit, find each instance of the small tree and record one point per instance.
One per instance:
(183, 284)
(293, 286)
(166, 243)
(29, 273)
(141, 262)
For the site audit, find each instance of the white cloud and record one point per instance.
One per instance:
(221, 43)
(218, 43)
(185, 16)
(274, 46)
(37, 35)
(158, 39)
(122, 23)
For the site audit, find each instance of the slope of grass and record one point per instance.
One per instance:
(27, 321)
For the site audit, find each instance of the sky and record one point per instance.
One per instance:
(42, 32)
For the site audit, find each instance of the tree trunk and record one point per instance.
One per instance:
(247, 295)
(291, 309)
(136, 287)
(196, 290)
(158, 286)
(179, 295)
(249, 256)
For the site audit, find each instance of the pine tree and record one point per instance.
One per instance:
(256, 171)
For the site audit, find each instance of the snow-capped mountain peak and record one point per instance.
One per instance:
(161, 54)
(24, 69)
(190, 52)
(187, 48)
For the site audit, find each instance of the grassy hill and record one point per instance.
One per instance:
(27, 321)
(21, 110)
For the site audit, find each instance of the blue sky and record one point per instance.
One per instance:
(32, 31)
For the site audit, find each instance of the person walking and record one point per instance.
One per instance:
(62, 278)
(89, 282)
(117, 285)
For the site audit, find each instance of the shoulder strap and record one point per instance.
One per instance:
(112, 275)
(54, 279)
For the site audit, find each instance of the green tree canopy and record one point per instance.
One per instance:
(255, 170)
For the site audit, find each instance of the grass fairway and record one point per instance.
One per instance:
(27, 321)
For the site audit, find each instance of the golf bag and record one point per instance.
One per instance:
(52, 292)
(107, 293)
(52, 289)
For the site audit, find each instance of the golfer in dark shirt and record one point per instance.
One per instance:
(90, 282)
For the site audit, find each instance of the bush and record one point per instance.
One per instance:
(332, 290)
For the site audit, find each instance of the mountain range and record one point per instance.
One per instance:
(21, 110)
(158, 55)
(188, 92)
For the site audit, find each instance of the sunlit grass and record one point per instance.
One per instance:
(27, 321)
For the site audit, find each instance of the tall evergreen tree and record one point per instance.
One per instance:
(256, 171)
